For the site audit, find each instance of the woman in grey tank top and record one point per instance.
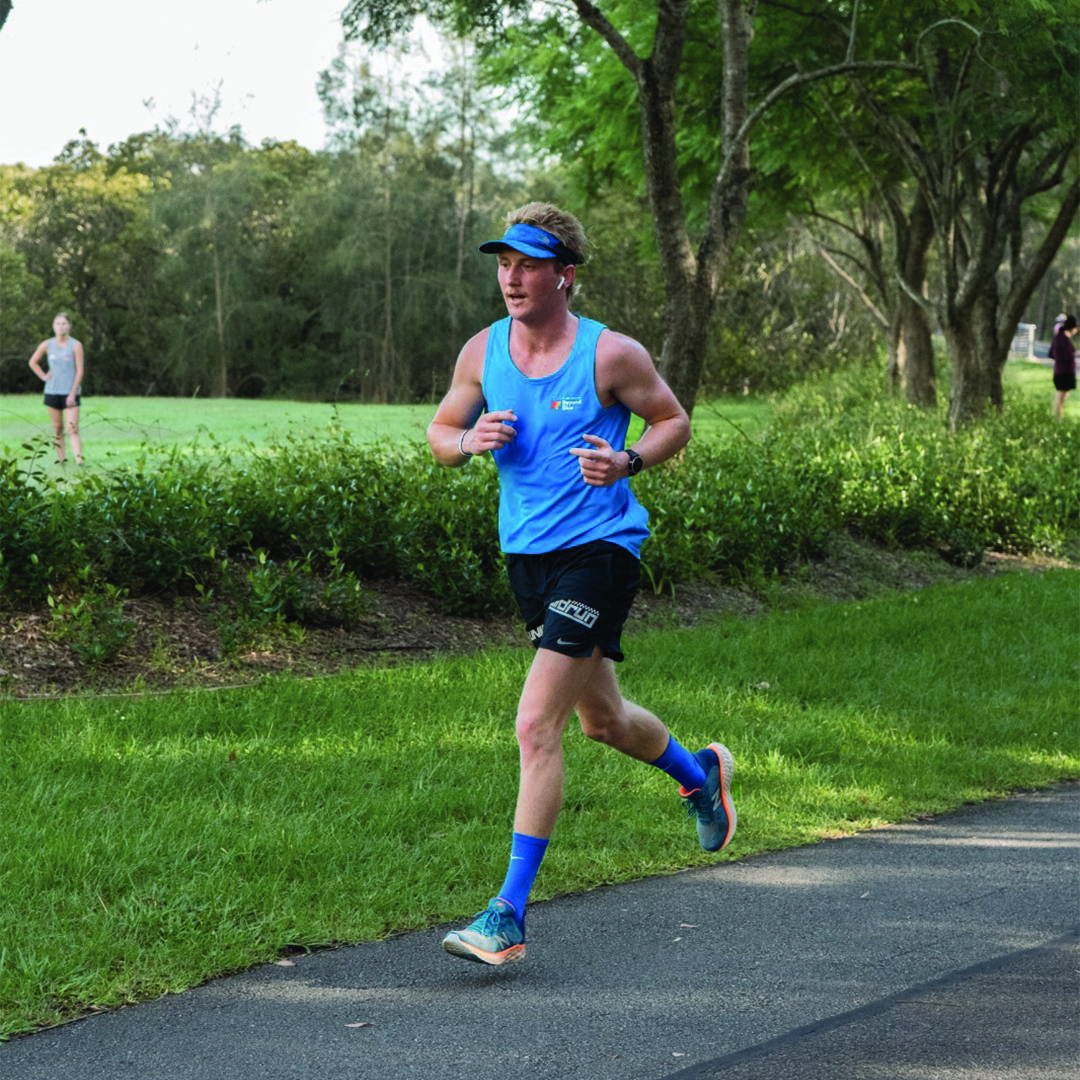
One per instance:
(62, 380)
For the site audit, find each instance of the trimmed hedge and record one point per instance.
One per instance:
(834, 457)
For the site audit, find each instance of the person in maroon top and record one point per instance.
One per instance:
(1063, 353)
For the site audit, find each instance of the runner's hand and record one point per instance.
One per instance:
(600, 465)
(491, 432)
(71, 401)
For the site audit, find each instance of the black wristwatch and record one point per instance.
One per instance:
(635, 464)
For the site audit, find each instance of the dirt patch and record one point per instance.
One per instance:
(176, 643)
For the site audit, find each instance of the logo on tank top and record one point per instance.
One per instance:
(566, 404)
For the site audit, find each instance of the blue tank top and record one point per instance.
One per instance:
(544, 505)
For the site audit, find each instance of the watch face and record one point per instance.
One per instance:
(634, 466)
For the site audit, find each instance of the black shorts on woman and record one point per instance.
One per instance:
(577, 598)
(59, 401)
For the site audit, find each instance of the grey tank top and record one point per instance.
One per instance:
(61, 366)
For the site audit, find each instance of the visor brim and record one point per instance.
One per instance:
(493, 247)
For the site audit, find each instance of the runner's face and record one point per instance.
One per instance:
(61, 327)
(528, 285)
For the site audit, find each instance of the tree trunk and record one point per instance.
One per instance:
(386, 367)
(915, 349)
(971, 381)
(894, 361)
(221, 375)
(688, 318)
(992, 352)
(383, 389)
(915, 354)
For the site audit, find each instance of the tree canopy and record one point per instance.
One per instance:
(770, 186)
(701, 83)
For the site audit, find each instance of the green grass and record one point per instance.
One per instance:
(116, 429)
(1028, 380)
(150, 842)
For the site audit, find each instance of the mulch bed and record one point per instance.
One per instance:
(176, 643)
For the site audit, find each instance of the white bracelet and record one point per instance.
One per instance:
(461, 444)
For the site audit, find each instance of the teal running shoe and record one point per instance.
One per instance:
(712, 801)
(493, 937)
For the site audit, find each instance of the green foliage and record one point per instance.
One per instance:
(897, 476)
(295, 591)
(733, 512)
(287, 531)
(28, 524)
(91, 620)
(153, 526)
(194, 264)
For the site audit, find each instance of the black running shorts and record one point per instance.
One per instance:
(59, 401)
(576, 599)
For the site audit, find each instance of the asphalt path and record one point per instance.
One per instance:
(944, 949)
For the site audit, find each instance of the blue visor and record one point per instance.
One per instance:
(530, 240)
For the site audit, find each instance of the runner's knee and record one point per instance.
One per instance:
(537, 733)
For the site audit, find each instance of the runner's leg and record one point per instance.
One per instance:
(72, 416)
(56, 416)
(555, 682)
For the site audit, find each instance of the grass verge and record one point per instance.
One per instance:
(118, 430)
(151, 843)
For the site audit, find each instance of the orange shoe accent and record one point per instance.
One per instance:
(470, 952)
(722, 754)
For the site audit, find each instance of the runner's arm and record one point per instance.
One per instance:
(80, 367)
(35, 361)
(461, 429)
(626, 371)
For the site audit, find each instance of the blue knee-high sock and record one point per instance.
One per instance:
(681, 765)
(526, 854)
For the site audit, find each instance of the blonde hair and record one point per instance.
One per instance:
(555, 221)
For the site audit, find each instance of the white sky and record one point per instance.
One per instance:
(66, 64)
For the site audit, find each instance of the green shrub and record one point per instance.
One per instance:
(294, 591)
(730, 512)
(287, 532)
(91, 622)
(901, 478)
(151, 527)
(31, 528)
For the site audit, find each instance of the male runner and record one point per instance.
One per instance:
(550, 394)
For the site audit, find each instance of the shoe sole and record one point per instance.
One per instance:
(456, 947)
(727, 767)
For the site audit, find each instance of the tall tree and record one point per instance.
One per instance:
(85, 239)
(650, 43)
(987, 136)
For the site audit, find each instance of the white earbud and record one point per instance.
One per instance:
(561, 282)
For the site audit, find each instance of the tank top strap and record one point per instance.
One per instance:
(589, 331)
